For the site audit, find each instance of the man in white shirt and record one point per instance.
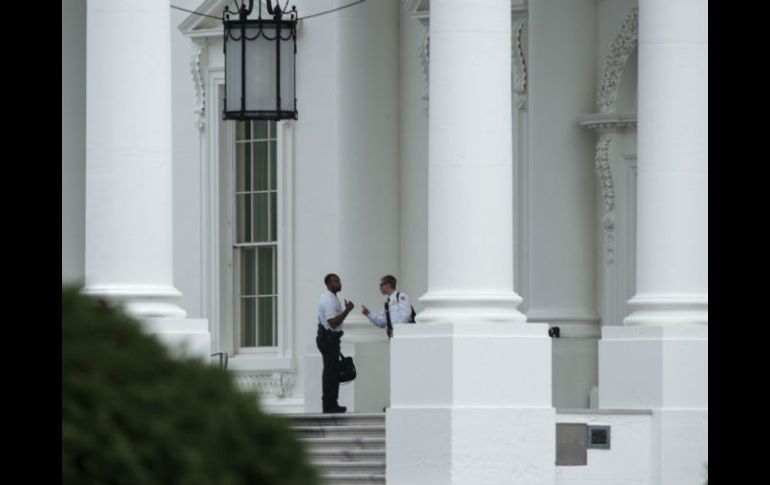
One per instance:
(330, 318)
(396, 310)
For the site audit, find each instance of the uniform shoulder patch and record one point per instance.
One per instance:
(403, 297)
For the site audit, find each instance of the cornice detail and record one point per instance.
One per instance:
(278, 384)
(608, 122)
(621, 48)
(518, 63)
(196, 61)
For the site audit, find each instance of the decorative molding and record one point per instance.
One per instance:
(621, 48)
(196, 61)
(604, 172)
(518, 60)
(419, 10)
(279, 384)
(608, 122)
(423, 51)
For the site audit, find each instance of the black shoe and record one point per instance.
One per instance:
(335, 409)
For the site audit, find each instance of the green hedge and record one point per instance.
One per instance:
(133, 415)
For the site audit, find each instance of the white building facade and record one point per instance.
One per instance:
(518, 165)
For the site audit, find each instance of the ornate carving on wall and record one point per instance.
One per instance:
(621, 48)
(200, 87)
(277, 384)
(423, 50)
(518, 60)
(603, 171)
(606, 123)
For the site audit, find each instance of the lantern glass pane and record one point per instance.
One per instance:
(260, 71)
(287, 74)
(233, 75)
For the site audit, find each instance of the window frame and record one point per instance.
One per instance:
(218, 236)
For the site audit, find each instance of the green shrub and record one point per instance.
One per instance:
(132, 415)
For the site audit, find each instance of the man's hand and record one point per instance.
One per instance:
(349, 305)
(364, 310)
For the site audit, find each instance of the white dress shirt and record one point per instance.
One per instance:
(329, 306)
(400, 309)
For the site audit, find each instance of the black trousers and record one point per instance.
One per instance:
(328, 343)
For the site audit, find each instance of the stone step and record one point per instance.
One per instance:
(342, 430)
(347, 454)
(337, 419)
(350, 467)
(353, 479)
(349, 443)
(348, 449)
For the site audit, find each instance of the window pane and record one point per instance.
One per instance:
(248, 322)
(260, 129)
(240, 167)
(248, 273)
(260, 166)
(260, 218)
(273, 170)
(266, 266)
(266, 314)
(273, 218)
(247, 177)
(243, 217)
(242, 130)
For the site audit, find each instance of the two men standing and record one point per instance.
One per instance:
(396, 310)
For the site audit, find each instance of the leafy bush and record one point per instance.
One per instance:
(132, 415)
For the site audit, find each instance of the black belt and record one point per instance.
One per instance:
(325, 331)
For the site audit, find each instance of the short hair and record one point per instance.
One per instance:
(328, 277)
(390, 280)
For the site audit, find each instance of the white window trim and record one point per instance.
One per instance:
(217, 240)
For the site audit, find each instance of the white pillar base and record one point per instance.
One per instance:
(470, 445)
(471, 307)
(682, 451)
(185, 337)
(666, 309)
(653, 367)
(141, 301)
(471, 404)
(663, 368)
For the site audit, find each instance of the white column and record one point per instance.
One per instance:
(470, 223)
(659, 358)
(128, 157)
(471, 382)
(672, 213)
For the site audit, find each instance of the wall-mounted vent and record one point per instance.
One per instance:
(599, 437)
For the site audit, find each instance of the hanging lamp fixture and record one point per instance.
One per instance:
(260, 74)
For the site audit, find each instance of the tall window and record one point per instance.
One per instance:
(256, 242)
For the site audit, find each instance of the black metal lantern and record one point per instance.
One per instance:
(260, 64)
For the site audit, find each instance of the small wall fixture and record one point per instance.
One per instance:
(260, 56)
(599, 437)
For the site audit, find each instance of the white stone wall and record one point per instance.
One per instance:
(628, 461)
(73, 148)
(187, 196)
(561, 271)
